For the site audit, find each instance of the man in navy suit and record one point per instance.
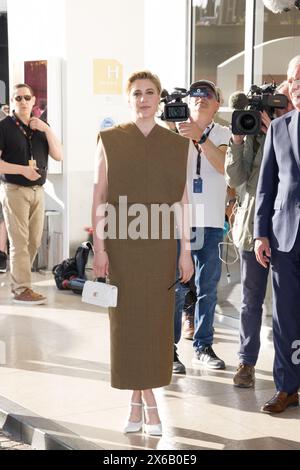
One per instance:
(277, 234)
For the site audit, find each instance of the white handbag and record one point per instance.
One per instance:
(100, 294)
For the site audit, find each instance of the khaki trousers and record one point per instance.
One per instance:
(23, 210)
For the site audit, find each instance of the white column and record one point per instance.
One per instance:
(259, 39)
(249, 37)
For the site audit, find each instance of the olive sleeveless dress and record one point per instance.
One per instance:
(150, 171)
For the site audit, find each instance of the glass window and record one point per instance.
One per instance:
(219, 36)
(277, 41)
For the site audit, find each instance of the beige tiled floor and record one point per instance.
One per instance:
(55, 363)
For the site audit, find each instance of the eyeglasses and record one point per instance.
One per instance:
(26, 98)
(202, 92)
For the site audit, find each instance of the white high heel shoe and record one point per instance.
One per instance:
(132, 426)
(152, 429)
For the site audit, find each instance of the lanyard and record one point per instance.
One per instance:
(198, 168)
(27, 134)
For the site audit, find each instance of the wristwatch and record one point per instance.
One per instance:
(203, 139)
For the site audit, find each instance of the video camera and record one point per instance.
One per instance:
(246, 120)
(175, 110)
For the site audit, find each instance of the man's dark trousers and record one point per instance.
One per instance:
(254, 279)
(286, 317)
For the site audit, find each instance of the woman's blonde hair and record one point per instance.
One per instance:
(143, 75)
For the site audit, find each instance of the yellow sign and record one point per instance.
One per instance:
(108, 77)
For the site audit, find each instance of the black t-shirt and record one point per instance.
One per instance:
(16, 149)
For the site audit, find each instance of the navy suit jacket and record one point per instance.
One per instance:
(277, 213)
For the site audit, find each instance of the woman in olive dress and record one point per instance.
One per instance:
(141, 164)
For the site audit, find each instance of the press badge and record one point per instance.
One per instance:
(198, 185)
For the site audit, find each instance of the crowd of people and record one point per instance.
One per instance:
(188, 168)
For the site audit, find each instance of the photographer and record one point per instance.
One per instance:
(207, 192)
(242, 167)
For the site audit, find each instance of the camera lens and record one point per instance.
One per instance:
(247, 122)
(177, 111)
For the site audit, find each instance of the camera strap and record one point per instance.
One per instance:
(206, 132)
(28, 134)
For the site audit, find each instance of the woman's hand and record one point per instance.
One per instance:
(101, 264)
(186, 266)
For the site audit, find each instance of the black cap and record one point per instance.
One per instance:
(207, 84)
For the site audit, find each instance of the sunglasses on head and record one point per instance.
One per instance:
(202, 92)
(26, 98)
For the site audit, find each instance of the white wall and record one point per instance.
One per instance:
(32, 23)
(36, 31)
(137, 33)
(3, 5)
(78, 32)
(95, 29)
(167, 41)
(134, 33)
